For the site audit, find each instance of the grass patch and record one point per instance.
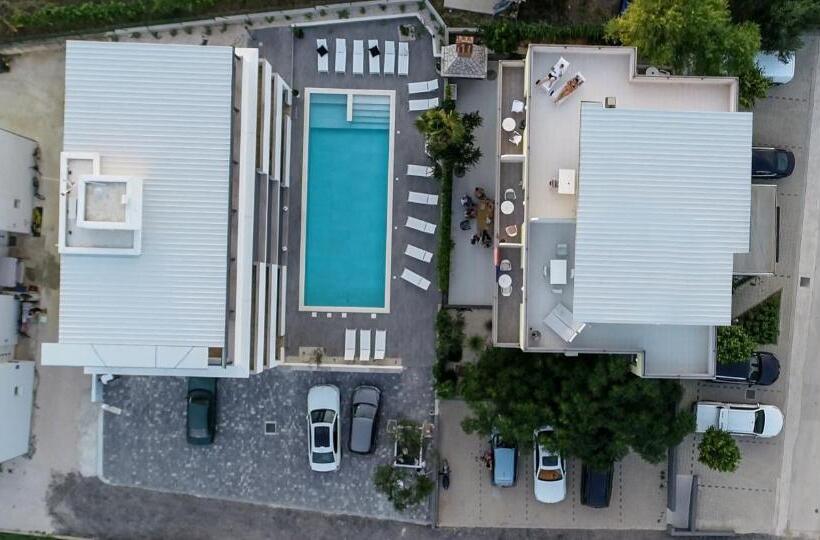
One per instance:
(762, 322)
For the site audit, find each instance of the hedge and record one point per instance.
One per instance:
(445, 240)
(762, 322)
(504, 36)
(449, 349)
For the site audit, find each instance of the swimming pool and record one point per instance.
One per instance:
(346, 201)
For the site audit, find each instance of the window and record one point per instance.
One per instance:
(322, 416)
(760, 419)
(321, 437)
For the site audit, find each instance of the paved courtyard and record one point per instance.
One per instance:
(145, 446)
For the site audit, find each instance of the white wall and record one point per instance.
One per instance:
(9, 310)
(16, 398)
(16, 189)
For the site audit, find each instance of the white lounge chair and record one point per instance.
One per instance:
(389, 57)
(350, 344)
(380, 345)
(341, 55)
(423, 104)
(415, 279)
(422, 198)
(404, 58)
(364, 345)
(424, 86)
(322, 59)
(358, 57)
(420, 170)
(420, 225)
(418, 253)
(373, 47)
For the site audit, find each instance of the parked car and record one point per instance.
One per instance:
(596, 486)
(774, 68)
(762, 368)
(325, 452)
(200, 424)
(364, 412)
(549, 471)
(752, 420)
(772, 163)
(505, 461)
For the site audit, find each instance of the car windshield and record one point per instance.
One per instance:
(549, 461)
(364, 410)
(782, 161)
(760, 419)
(321, 437)
(754, 368)
(322, 416)
(549, 475)
(322, 457)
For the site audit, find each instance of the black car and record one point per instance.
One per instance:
(596, 486)
(762, 368)
(201, 421)
(365, 403)
(771, 162)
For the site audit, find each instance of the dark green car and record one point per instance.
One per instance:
(201, 422)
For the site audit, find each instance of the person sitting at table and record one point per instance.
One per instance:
(486, 239)
(474, 239)
(470, 213)
(467, 201)
(480, 193)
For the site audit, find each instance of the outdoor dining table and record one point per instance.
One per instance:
(507, 208)
(504, 281)
(484, 216)
(508, 124)
(558, 272)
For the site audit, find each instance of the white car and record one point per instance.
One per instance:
(324, 448)
(549, 472)
(752, 420)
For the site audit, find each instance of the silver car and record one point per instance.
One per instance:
(365, 409)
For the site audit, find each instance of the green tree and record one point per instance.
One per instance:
(781, 21)
(449, 137)
(598, 408)
(733, 344)
(403, 487)
(718, 450)
(762, 322)
(693, 37)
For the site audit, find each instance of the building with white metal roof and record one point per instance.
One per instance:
(628, 196)
(164, 153)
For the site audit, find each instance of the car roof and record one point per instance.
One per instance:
(361, 434)
(597, 484)
(504, 468)
(366, 394)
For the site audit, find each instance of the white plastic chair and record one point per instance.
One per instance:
(509, 194)
(505, 265)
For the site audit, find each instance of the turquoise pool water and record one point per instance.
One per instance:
(347, 201)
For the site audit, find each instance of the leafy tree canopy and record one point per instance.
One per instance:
(449, 136)
(718, 450)
(733, 344)
(598, 408)
(781, 21)
(693, 37)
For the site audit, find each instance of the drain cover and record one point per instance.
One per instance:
(270, 428)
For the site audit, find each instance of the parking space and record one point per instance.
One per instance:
(638, 492)
(145, 446)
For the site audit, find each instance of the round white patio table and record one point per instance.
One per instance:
(508, 124)
(507, 208)
(504, 281)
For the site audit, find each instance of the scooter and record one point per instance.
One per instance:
(445, 474)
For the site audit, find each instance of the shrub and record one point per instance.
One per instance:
(762, 322)
(733, 344)
(344, 14)
(718, 450)
(504, 36)
(403, 487)
(476, 343)
(449, 349)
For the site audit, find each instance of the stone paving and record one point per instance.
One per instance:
(145, 446)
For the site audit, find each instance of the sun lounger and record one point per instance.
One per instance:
(422, 198)
(415, 279)
(423, 104)
(389, 57)
(358, 57)
(373, 54)
(420, 170)
(404, 58)
(420, 225)
(364, 345)
(423, 86)
(322, 55)
(418, 253)
(561, 321)
(380, 345)
(350, 344)
(341, 55)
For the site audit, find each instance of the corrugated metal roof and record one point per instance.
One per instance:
(663, 204)
(161, 113)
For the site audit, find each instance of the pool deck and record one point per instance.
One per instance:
(409, 324)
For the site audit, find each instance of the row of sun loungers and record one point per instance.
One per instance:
(374, 54)
(364, 344)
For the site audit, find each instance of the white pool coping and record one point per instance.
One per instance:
(389, 220)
